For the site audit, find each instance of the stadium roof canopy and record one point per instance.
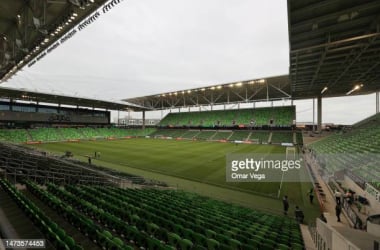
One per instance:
(31, 96)
(334, 50)
(264, 89)
(29, 27)
(334, 44)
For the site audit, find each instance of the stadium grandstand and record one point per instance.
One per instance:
(72, 179)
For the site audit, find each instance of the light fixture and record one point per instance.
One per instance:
(203, 89)
(212, 88)
(231, 85)
(219, 87)
(357, 87)
(324, 89)
(189, 91)
(239, 84)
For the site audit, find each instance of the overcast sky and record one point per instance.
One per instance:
(143, 47)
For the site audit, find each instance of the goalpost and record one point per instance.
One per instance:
(290, 155)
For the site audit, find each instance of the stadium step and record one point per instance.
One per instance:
(270, 137)
(58, 219)
(230, 136)
(23, 226)
(249, 136)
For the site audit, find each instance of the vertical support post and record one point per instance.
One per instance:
(319, 118)
(377, 102)
(143, 119)
(313, 114)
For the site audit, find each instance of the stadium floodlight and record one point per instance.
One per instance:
(175, 93)
(357, 87)
(251, 82)
(219, 87)
(239, 84)
(183, 92)
(203, 89)
(261, 81)
(18, 19)
(231, 85)
(212, 88)
(189, 91)
(324, 89)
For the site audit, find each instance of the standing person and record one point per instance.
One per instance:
(89, 160)
(311, 195)
(95, 154)
(338, 196)
(338, 211)
(299, 215)
(323, 218)
(285, 203)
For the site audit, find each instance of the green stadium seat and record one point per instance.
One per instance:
(186, 244)
(212, 244)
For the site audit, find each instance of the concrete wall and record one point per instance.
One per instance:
(373, 229)
(328, 238)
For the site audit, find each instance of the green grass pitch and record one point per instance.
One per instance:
(191, 165)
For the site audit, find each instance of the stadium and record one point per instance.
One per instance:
(228, 165)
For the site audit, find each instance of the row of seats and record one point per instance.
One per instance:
(117, 218)
(273, 116)
(55, 234)
(357, 150)
(240, 135)
(182, 221)
(62, 134)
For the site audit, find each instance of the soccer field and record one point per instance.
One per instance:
(196, 161)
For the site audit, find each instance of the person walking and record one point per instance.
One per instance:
(338, 211)
(311, 195)
(285, 204)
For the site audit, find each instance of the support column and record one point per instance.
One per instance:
(319, 118)
(313, 115)
(143, 119)
(118, 117)
(377, 102)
